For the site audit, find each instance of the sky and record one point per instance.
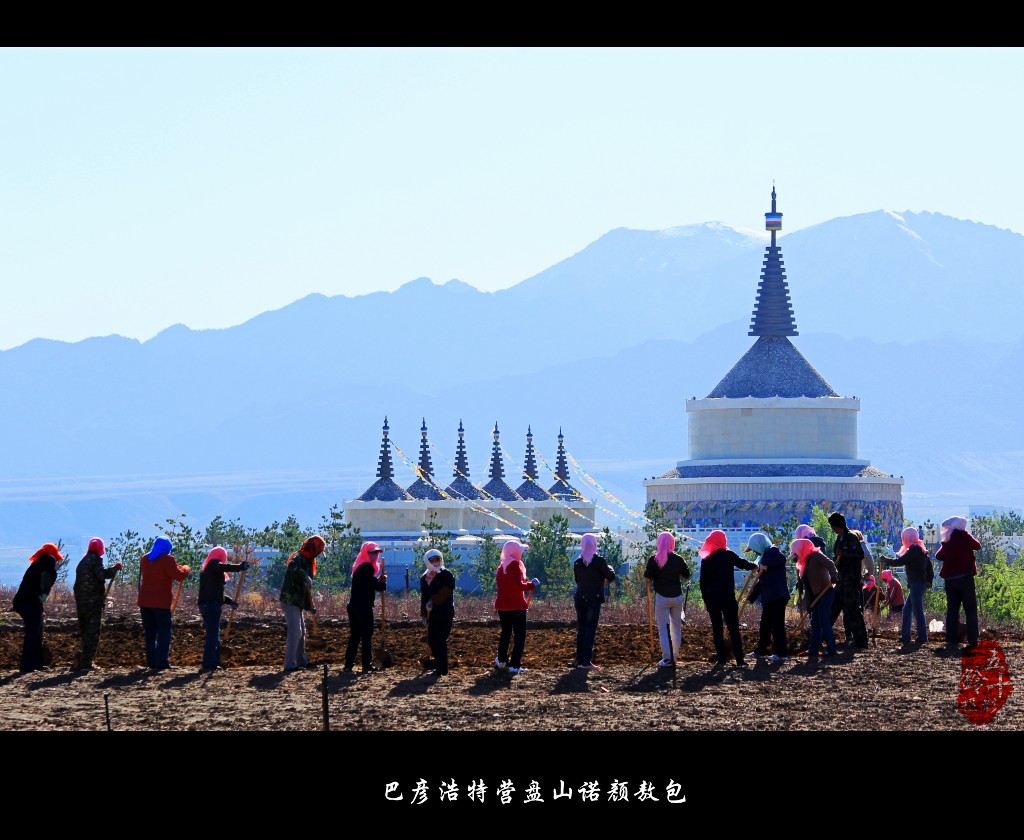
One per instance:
(145, 187)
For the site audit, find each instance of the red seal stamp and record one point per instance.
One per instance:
(985, 683)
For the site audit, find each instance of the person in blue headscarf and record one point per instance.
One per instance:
(159, 571)
(772, 587)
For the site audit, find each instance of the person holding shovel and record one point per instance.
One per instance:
(367, 581)
(664, 572)
(90, 598)
(212, 577)
(819, 576)
(437, 596)
(718, 589)
(591, 572)
(772, 588)
(511, 602)
(913, 556)
(296, 596)
(39, 578)
(159, 571)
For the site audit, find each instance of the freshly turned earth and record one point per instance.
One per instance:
(882, 688)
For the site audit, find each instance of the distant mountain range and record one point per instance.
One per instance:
(915, 313)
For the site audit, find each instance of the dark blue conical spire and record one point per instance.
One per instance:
(773, 313)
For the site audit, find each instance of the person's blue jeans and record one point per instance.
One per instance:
(821, 625)
(156, 626)
(211, 612)
(587, 617)
(960, 592)
(915, 606)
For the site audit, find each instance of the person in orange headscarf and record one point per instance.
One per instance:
(28, 602)
(212, 599)
(296, 596)
(718, 589)
(367, 581)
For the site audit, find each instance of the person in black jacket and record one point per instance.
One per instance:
(718, 589)
(913, 556)
(591, 572)
(772, 587)
(212, 600)
(665, 569)
(848, 555)
(28, 602)
(437, 599)
(367, 581)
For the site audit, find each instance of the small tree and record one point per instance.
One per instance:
(343, 541)
(127, 549)
(285, 538)
(437, 537)
(819, 522)
(188, 546)
(548, 556)
(486, 566)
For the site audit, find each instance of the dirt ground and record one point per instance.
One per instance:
(882, 688)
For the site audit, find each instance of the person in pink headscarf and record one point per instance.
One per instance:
(913, 556)
(819, 576)
(367, 580)
(894, 597)
(511, 604)
(718, 589)
(591, 572)
(664, 573)
(958, 570)
(90, 598)
(211, 601)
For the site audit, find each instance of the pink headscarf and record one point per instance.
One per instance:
(870, 583)
(716, 540)
(804, 532)
(954, 523)
(801, 548)
(96, 546)
(511, 550)
(886, 575)
(217, 553)
(910, 537)
(366, 557)
(666, 544)
(588, 548)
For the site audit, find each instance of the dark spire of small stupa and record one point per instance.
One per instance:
(496, 487)
(561, 487)
(529, 489)
(461, 487)
(424, 487)
(384, 489)
(773, 313)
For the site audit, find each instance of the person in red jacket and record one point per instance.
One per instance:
(959, 567)
(158, 571)
(511, 604)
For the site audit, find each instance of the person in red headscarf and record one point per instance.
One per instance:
(28, 602)
(718, 589)
(90, 598)
(211, 601)
(296, 596)
(367, 581)
(819, 576)
(664, 572)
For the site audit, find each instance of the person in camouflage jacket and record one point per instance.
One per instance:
(90, 598)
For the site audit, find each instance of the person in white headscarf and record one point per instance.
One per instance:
(665, 569)
(511, 602)
(591, 572)
(437, 598)
(958, 570)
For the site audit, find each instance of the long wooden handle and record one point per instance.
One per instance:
(238, 592)
(815, 603)
(743, 601)
(878, 598)
(650, 616)
(177, 595)
(106, 592)
(746, 583)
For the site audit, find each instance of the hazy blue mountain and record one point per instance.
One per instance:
(282, 414)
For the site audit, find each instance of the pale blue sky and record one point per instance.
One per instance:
(147, 187)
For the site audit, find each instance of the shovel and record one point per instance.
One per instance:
(238, 592)
(381, 648)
